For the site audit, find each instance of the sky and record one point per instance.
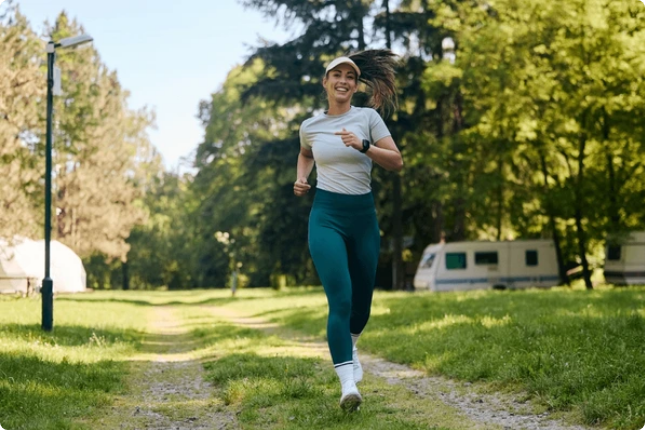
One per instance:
(168, 54)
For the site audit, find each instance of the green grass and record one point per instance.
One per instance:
(48, 379)
(273, 383)
(570, 350)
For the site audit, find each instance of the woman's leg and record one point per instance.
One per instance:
(363, 252)
(329, 253)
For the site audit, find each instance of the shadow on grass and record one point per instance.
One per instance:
(573, 349)
(41, 395)
(68, 335)
(294, 292)
(528, 304)
(196, 339)
(138, 302)
(250, 365)
(269, 313)
(288, 392)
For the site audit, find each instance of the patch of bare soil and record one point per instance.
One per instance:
(167, 390)
(501, 409)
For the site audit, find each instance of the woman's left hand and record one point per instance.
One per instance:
(350, 139)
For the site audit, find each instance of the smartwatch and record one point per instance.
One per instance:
(366, 146)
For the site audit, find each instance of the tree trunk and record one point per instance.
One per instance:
(398, 272)
(361, 31)
(614, 214)
(500, 202)
(459, 228)
(438, 222)
(582, 241)
(126, 276)
(460, 201)
(564, 278)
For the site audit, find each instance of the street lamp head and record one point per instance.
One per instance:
(448, 44)
(70, 42)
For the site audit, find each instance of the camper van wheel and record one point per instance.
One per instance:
(499, 287)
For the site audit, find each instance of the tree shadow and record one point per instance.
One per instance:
(69, 335)
(39, 394)
(527, 303)
(139, 302)
(234, 367)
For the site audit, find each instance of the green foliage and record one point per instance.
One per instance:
(100, 146)
(534, 131)
(244, 183)
(20, 91)
(101, 157)
(170, 248)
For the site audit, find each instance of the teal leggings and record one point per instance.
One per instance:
(344, 242)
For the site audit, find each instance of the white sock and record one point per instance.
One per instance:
(358, 369)
(345, 372)
(355, 339)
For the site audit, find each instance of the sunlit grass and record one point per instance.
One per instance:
(48, 378)
(570, 349)
(273, 383)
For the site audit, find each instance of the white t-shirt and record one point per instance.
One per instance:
(342, 169)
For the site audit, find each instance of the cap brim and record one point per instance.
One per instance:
(342, 60)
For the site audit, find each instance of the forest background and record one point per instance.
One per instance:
(517, 120)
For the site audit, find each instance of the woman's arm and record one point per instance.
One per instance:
(305, 166)
(384, 152)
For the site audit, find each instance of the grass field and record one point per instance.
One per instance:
(46, 379)
(577, 352)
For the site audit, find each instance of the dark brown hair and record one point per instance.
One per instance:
(377, 72)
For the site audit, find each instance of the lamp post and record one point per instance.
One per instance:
(225, 239)
(448, 47)
(47, 289)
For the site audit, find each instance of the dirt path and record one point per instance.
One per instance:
(167, 390)
(498, 409)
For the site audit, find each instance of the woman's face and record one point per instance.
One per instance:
(341, 83)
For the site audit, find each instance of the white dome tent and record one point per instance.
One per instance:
(27, 257)
(12, 276)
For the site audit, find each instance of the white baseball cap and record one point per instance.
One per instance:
(342, 60)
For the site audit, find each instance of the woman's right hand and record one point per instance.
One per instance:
(301, 187)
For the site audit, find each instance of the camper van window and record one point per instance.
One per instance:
(613, 252)
(486, 258)
(455, 260)
(426, 261)
(531, 258)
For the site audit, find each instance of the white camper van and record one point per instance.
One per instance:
(477, 265)
(625, 262)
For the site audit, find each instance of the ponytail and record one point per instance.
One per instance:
(377, 72)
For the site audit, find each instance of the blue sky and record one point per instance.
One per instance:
(169, 54)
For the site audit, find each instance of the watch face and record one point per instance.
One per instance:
(366, 145)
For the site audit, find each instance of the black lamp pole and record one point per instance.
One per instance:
(47, 290)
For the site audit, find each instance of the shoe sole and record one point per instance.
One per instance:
(351, 402)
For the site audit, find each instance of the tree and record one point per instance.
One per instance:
(543, 79)
(245, 179)
(97, 144)
(20, 89)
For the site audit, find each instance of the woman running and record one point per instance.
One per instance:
(344, 237)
